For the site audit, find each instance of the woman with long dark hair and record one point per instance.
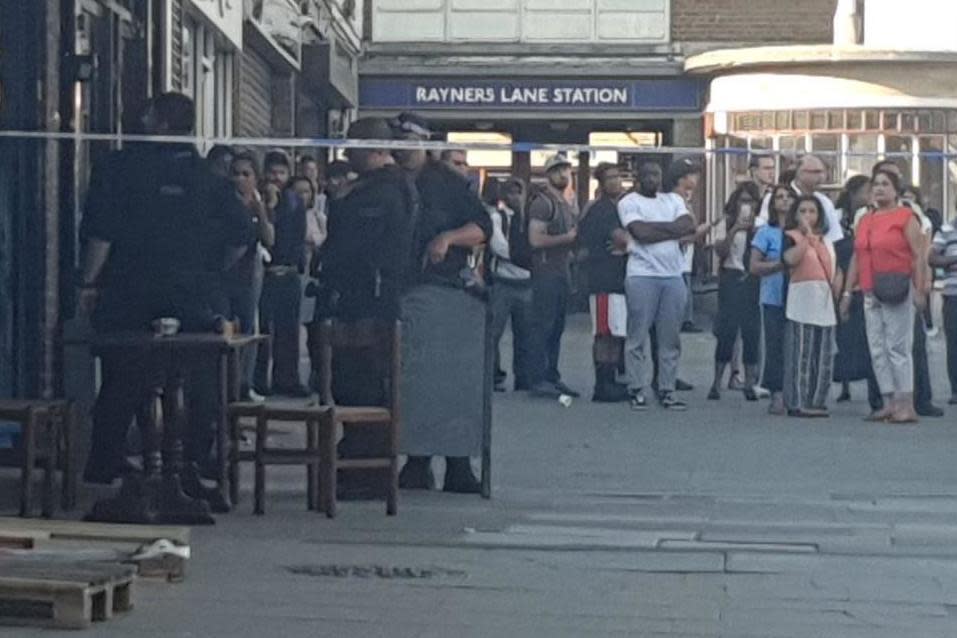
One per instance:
(853, 360)
(810, 311)
(244, 281)
(738, 291)
(767, 249)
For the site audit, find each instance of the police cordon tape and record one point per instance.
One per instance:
(519, 147)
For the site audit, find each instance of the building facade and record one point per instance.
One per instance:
(600, 72)
(255, 68)
(884, 88)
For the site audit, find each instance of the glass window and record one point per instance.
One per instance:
(767, 121)
(783, 120)
(791, 146)
(891, 121)
(828, 147)
(932, 175)
(872, 120)
(951, 190)
(737, 162)
(835, 120)
(908, 122)
(855, 120)
(899, 148)
(818, 120)
(861, 153)
(801, 120)
(188, 62)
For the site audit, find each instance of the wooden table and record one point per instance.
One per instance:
(169, 490)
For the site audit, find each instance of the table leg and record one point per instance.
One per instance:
(222, 428)
(29, 434)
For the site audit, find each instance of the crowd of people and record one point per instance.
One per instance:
(818, 293)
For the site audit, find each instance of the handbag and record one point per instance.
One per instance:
(891, 288)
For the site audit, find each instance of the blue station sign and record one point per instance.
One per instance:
(671, 94)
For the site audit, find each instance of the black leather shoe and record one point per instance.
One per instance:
(459, 478)
(683, 386)
(417, 474)
(930, 410)
(564, 389)
(610, 393)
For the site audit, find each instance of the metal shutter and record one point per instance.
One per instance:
(255, 96)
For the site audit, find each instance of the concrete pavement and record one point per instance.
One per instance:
(721, 521)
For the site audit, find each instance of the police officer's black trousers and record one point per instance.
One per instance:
(123, 391)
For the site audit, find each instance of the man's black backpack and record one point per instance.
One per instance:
(516, 229)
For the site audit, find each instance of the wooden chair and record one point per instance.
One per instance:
(46, 439)
(384, 341)
(310, 416)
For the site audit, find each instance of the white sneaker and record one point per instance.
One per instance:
(255, 397)
(762, 393)
(933, 332)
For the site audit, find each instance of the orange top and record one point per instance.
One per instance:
(817, 265)
(881, 245)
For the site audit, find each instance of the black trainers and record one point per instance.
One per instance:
(670, 402)
(683, 386)
(564, 389)
(638, 401)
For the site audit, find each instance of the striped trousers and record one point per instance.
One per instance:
(808, 365)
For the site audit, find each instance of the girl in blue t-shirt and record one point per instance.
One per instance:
(766, 262)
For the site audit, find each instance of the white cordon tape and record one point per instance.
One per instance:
(521, 147)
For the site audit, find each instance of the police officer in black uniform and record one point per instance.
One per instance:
(159, 231)
(449, 223)
(362, 270)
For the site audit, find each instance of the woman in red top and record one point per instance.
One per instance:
(888, 255)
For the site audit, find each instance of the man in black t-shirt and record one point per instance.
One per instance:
(605, 269)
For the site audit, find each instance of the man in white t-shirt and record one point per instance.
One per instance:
(811, 173)
(654, 286)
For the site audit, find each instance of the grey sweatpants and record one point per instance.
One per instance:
(658, 302)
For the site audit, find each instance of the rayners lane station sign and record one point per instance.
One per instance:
(598, 95)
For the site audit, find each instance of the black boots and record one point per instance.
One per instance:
(417, 474)
(607, 390)
(459, 477)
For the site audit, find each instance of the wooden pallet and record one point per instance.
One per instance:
(79, 530)
(63, 596)
(50, 535)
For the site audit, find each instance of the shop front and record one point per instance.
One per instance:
(624, 113)
(851, 106)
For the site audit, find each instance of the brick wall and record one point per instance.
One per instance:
(753, 21)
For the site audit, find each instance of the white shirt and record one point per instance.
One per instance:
(502, 267)
(739, 246)
(687, 249)
(662, 259)
(834, 231)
